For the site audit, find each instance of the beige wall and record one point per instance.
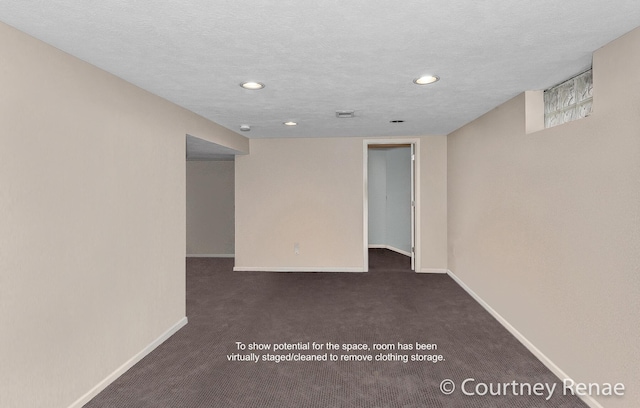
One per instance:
(433, 203)
(545, 226)
(310, 192)
(92, 215)
(210, 208)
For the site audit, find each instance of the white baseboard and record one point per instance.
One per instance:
(589, 400)
(432, 270)
(390, 248)
(211, 255)
(127, 365)
(295, 269)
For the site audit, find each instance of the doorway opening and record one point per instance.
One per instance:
(390, 203)
(210, 199)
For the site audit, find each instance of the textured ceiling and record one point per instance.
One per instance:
(319, 56)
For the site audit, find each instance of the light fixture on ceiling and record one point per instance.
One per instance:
(290, 123)
(251, 85)
(245, 128)
(426, 79)
(342, 114)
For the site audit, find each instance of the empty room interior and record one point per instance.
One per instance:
(320, 204)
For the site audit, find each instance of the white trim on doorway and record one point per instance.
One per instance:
(416, 185)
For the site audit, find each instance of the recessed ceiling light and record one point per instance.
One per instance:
(252, 85)
(426, 79)
(290, 123)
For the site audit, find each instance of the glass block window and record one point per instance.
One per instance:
(570, 100)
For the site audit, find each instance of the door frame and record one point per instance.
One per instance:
(415, 227)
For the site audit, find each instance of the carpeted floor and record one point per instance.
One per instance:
(390, 304)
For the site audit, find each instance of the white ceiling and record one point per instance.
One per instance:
(319, 56)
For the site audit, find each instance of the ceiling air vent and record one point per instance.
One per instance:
(341, 114)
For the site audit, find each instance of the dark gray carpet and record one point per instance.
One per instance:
(390, 304)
